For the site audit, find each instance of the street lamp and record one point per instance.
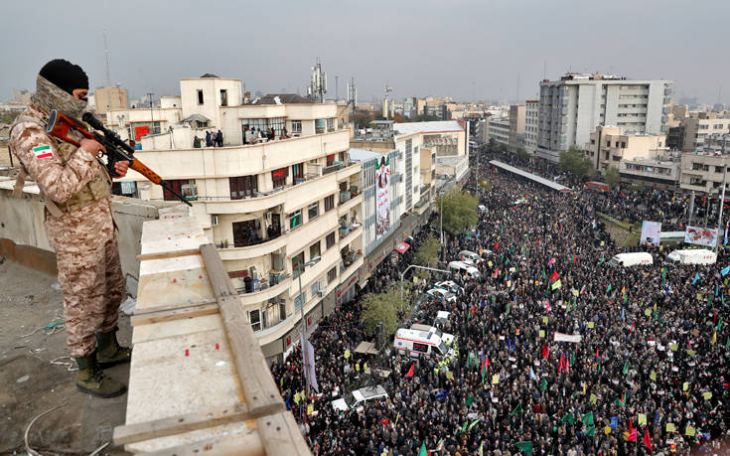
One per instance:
(303, 323)
(403, 274)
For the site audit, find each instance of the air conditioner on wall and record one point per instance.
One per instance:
(214, 220)
(320, 294)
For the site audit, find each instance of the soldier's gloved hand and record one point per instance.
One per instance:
(92, 146)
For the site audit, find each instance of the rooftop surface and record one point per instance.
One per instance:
(34, 372)
(427, 127)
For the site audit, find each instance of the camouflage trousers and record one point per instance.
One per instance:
(89, 272)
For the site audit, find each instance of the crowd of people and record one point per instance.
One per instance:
(649, 372)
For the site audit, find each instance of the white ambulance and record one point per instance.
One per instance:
(417, 343)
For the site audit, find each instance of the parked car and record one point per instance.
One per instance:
(451, 286)
(359, 397)
(442, 295)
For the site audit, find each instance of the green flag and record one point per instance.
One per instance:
(469, 400)
(609, 288)
(473, 423)
(524, 446)
(568, 418)
(516, 411)
(719, 325)
(626, 367)
(424, 451)
(543, 384)
(587, 419)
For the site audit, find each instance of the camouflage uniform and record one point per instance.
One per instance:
(79, 224)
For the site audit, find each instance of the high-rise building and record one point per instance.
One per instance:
(571, 108)
(516, 126)
(532, 118)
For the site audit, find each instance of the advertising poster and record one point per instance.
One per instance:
(651, 232)
(382, 197)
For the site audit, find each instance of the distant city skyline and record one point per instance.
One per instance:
(465, 49)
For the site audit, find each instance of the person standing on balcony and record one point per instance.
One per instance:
(78, 220)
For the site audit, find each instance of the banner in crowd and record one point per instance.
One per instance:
(573, 338)
(701, 236)
(382, 197)
(651, 232)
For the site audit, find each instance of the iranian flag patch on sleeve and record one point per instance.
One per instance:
(43, 151)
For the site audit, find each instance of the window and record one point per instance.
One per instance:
(330, 124)
(278, 177)
(297, 171)
(265, 124)
(330, 159)
(296, 126)
(422, 348)
(299, 300)
(176, 186)
(244, 186)
(319, 125)
(295, 219)
(313, 211)
(200, 97)
(316, 287)
(314, 250)
(329, 203)
(297, 262)
(282, 311)
(246, 233)
(332, 275)
(224, 97)
(254, 317)
(330, 240)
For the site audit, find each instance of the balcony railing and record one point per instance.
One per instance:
(267, 281)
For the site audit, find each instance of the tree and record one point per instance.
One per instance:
(386, 307)
(522, 154)
(459, 211)
(574, 162)
(612, 176)
(428, 253)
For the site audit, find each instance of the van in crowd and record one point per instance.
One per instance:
(357, 398)
(418, 343)
(693, 256)
(630, 259)
(460, 267)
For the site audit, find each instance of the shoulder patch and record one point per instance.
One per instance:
(43, 151)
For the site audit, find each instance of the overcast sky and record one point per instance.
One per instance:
(462, 48)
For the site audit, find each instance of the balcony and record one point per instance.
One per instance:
(350, 265)
(258, 291)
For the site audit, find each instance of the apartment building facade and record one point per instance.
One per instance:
(571, 108)
(499, 130)
(701, 126)
(283, 213)
(532, 118)
(703, 172)
(609, 145)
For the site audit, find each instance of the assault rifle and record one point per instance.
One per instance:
(60, 125)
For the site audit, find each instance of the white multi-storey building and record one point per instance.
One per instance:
(499, 130)
(571, 108)
(532, 119)
(283, 212)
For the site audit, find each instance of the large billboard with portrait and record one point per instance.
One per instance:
(382, 197)
(651, 233)
(701, 236)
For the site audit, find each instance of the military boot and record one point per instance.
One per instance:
(108, 350)
(91, 379)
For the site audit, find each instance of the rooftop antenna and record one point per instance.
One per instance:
(352, 92)
(108, 71)
(318, 83)
(518, 88)
(337, 87)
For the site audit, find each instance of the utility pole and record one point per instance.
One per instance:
(152, 113)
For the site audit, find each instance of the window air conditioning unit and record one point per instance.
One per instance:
(214, 220)
(320, 294)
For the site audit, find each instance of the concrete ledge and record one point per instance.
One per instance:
(29, 256)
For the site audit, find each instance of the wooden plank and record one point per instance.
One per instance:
(258, 385)
(166, 255)
(146, 318)
(246, 444)
(185, 423)
(281, 436)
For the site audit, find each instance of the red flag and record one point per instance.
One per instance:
(411, 371)
(631, 435)
(496, 245)
(545, 351)
(554, 276)
(647, 440)
(385, 422)
(563, 364)
(575, 259)
(547, 306)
